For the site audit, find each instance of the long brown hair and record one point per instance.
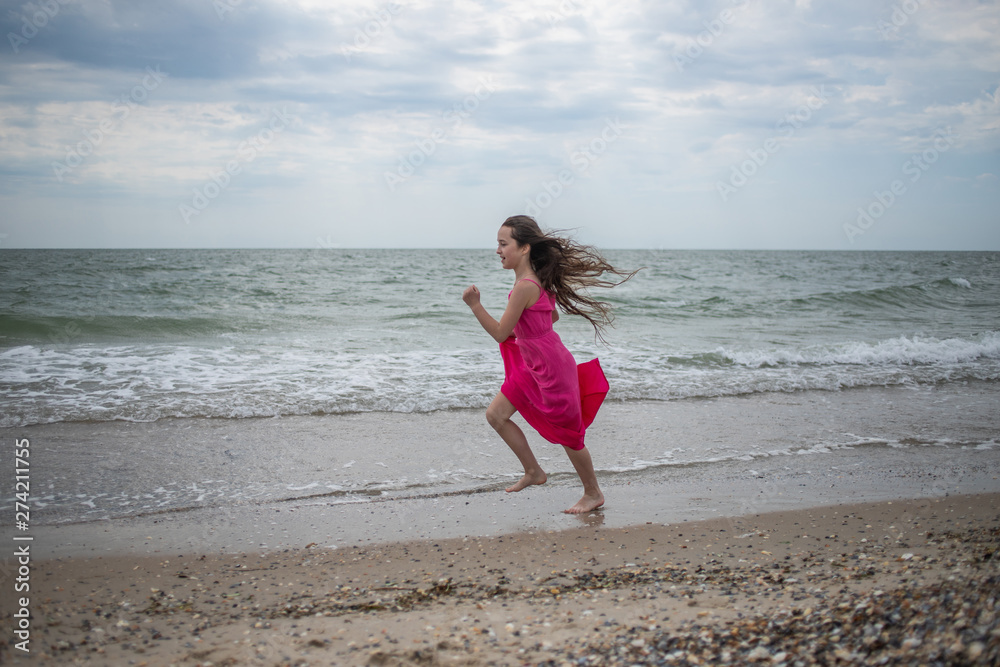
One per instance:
(564, 267)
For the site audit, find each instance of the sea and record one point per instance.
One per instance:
(92, 338)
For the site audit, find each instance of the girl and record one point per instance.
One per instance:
(541, 379)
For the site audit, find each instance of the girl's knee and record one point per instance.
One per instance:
(499, 412)
(495, 418)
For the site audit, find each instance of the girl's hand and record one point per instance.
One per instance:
(471, 296)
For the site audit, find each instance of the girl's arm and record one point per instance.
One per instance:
(500, 331)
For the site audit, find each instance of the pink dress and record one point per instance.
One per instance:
(557, 397)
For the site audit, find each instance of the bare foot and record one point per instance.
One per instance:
(586, 504)
(528, 480)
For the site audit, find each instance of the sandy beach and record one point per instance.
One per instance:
(861, 528)
(892, 582)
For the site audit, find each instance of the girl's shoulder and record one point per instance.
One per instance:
(531, 285)
(533, 280)
(533, 288)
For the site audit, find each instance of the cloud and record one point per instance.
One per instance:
(696, 87)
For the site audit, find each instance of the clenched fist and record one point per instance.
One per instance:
(471, 296)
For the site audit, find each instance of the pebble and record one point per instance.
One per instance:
(829, 613)
(951, 622)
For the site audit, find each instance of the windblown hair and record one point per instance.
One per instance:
(565, 267)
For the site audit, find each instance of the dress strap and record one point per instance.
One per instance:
(541, 290)
(543, 296)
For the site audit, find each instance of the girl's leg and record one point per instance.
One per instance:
(498, 415)
(592, 496)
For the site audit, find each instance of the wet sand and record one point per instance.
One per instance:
(256, 485)
(904, 581)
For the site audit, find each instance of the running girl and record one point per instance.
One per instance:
(542, 381)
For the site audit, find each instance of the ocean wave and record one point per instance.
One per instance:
(67, 330)
(896, 351)
(147, 383)
(929, 294)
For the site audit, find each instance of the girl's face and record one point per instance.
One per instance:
(511, 254)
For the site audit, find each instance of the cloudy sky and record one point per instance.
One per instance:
(855, 124)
